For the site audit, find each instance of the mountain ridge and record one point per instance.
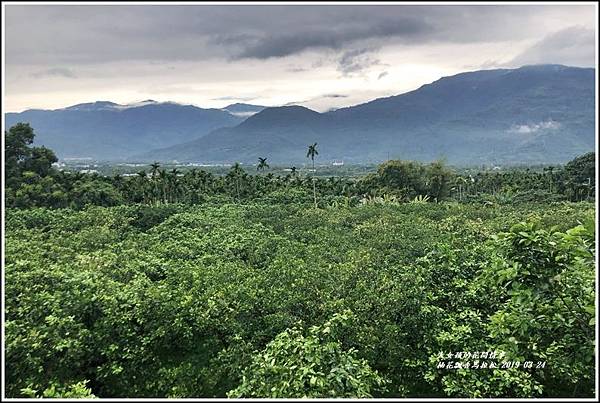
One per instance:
(106, 130)
(534, 113)
(538, 113)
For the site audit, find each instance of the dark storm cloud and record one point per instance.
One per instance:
(57, 55)
(57, 34)
(279, 45)
(357, 60)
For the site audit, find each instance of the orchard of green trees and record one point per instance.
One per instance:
(171, 284)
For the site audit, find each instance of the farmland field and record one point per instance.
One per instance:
(285, 300)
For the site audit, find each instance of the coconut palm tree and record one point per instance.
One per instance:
(174, 185)
(262, 164)
(142, 183)
(154, 168)
(312, 151)
(163, 176)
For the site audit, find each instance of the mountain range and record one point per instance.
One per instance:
(532, 114)
(108, 131)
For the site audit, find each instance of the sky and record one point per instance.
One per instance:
(319, 56)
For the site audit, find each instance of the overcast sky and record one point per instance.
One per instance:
(315, 55)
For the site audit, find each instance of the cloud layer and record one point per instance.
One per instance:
(203, 54)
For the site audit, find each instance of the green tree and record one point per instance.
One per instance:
(311, 153)
(404, 177)
(311, 366)
(16, 149)
(40, 161)
(437, 179)
(262, 164)
(580, 176)
(20, 157)
(95, 192)
(236, 173)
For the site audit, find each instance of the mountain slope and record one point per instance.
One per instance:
(108, 131)
(533, 114)
(283, 130)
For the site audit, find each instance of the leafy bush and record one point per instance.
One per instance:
(316, 365)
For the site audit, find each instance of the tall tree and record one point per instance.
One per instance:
(154, 169)
(312, 151)
(262, 164)
(20, 157)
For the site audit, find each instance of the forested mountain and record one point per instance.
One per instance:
(109, 131)
(542, 113)
(533, 114)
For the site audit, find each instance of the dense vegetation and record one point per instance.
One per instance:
(202, 285)
(33, 182)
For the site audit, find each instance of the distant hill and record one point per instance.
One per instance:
(109, 131)
(533, 114)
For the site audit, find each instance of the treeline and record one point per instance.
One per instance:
(32, 181)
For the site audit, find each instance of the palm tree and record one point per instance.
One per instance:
(154, 168)
(262, 164)
(312, 151)
(174, 185)
(143, 183)
(163, 177)
(550, 170)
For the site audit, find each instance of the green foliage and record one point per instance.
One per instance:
(404, 176)
(171, 284)
(16, 150)
(32, 182)
(539, 286)
(20, 158)
(183, 301)
(582, 168)
(97, 193)
(78, 390)
(315, 365)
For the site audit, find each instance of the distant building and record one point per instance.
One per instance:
(338, 163)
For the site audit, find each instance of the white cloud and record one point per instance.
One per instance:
(535, 127)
